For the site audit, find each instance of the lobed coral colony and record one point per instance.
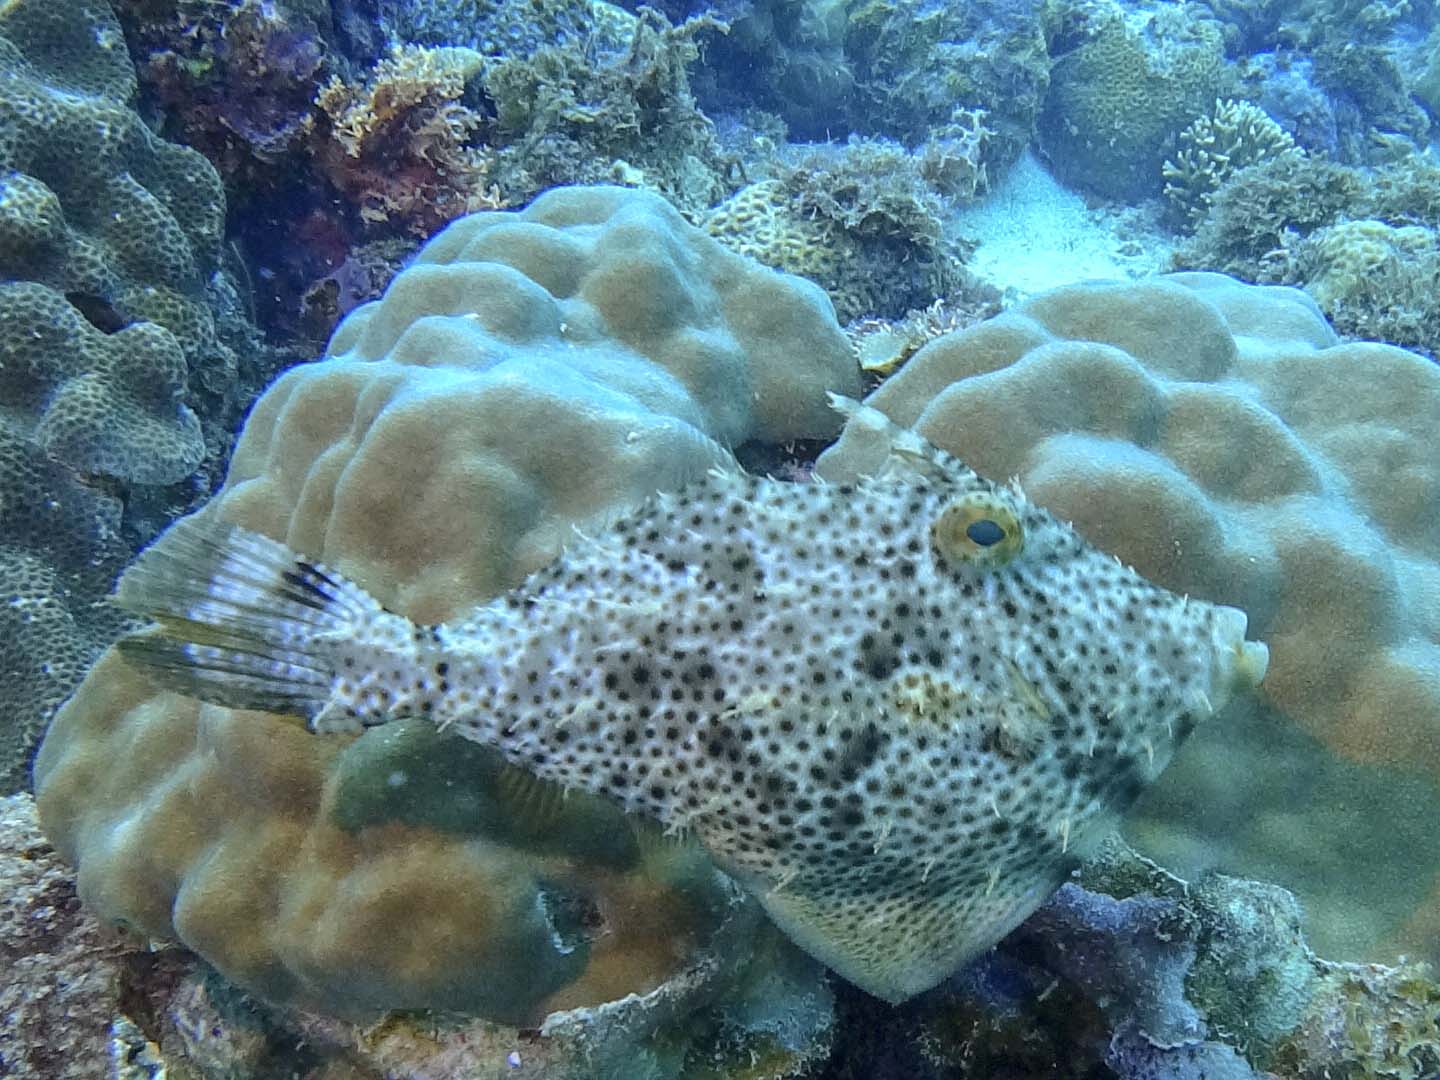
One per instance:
(784, 487)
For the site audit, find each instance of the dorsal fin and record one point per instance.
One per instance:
(875, 446)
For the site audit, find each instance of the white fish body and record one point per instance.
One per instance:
(898, 710)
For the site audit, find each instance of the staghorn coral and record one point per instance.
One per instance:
(1118, 95)
(1234, 135)
(1219, 438)
(530, 373)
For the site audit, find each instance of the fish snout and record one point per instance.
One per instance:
(1238, 664)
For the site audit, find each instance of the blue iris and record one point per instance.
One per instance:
(985, 532)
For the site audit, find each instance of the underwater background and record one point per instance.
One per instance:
(1173, 265)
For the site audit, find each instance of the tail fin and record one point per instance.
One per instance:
(243, 620)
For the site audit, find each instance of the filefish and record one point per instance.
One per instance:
(898, 710)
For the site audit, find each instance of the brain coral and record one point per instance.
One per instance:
(110, 365)
(1119, 95)
(1220, 439)
(531, 373)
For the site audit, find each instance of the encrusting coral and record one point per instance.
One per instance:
(1219, 438)
(529, 374)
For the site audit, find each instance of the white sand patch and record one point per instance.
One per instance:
(1035, 234)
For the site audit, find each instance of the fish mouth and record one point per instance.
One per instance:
(1238, 664)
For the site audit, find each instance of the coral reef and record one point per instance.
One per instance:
(895, 69)
(1260, 209)
(921, 66)
(501, 28)
(1133, 973)
(1361, 241)
(236, 82)
(570, 114)
(1426, 84)
(1375, 281)
(471, 106)
(1283, 85)
(60, 990)
(864, 220)
(1234, 135)
(1310, 511)
(528, 375)
(1128, 970)
(400, 147)
(1119, 95)
(117, 368)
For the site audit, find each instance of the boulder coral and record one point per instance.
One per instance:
(531, 373)
(117, 376)
(1219, 438)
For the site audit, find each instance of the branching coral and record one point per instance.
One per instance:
(1234, 135)
(1118, 95)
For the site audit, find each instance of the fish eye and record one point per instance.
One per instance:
(977, 530)
(985, 531)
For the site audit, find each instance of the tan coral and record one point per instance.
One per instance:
(531, 372)
(1341, 259)
(1218, 437)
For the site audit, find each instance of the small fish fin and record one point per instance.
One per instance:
(242, 620)
(536, 804)
(877, 447)
(895, 945)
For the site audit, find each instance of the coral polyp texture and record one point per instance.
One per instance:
(532, 374)
(1220, 438)
(1119, 93)
(114, 382)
